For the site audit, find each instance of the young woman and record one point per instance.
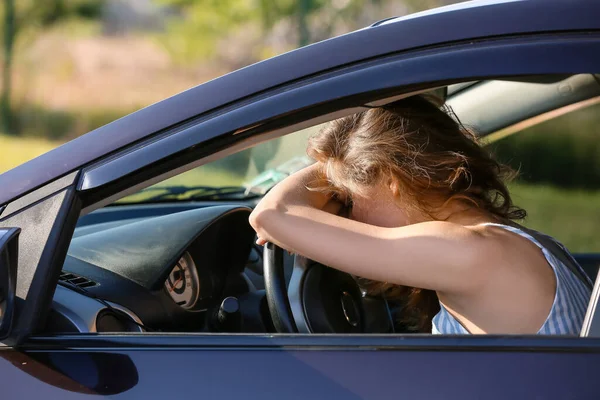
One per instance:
(429, 219)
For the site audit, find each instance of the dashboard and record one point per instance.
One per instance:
(178, 268)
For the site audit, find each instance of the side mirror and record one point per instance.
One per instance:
(8, 278)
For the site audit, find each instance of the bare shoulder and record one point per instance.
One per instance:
(481, 244)
(498, 235)
(507, 245)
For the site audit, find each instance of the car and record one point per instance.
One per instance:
(128, 267)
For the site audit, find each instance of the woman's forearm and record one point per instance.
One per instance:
(291, 192)
(294, 191)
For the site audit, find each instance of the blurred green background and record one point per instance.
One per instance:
(69, 66)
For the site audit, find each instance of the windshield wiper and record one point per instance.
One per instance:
(194, 193)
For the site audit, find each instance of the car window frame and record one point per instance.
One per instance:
(319, 99)
(326, 96)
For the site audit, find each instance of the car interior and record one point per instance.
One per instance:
(183, 263)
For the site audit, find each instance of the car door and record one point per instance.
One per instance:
(155, 365)
(267, 367)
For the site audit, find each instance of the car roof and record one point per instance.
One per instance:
(444, 9)
(465, 21)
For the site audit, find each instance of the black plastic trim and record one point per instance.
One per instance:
(381, 21)
(317, 342)
(77, 280)
(9, 251)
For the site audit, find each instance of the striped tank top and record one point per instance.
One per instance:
(568, 309)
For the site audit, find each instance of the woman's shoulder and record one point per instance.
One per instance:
(520, 232)
(526, 248)
(507, 245)
(505, 235)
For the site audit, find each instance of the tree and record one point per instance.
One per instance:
(199, 25)
(28, 16)
(195, 27)
(7, 62)
(272, 11)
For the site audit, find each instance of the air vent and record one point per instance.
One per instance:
(76, 280)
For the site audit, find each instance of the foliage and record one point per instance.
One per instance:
(571, 216)
(35, 14)
(193, 31)
(24, 18)
(34, 120)
(41, 14)
(563, 152)
(17, 150)
(198, 26)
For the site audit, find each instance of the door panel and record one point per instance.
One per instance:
(590, 263)
(303, 372)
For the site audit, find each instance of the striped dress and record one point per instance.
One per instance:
(568, 309)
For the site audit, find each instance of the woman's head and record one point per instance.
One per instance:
(406, 162)
(414, 154)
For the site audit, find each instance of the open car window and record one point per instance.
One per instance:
(179, 256)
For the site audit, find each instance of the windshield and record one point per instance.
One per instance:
(254, 169)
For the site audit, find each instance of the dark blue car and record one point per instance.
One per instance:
(128, 267)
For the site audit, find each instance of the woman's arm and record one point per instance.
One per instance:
(294, 190)
(432, 255)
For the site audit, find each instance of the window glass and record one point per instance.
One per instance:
(249, 168)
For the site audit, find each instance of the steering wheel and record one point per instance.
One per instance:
(319, 299)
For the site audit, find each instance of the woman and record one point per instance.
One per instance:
(430, 219)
